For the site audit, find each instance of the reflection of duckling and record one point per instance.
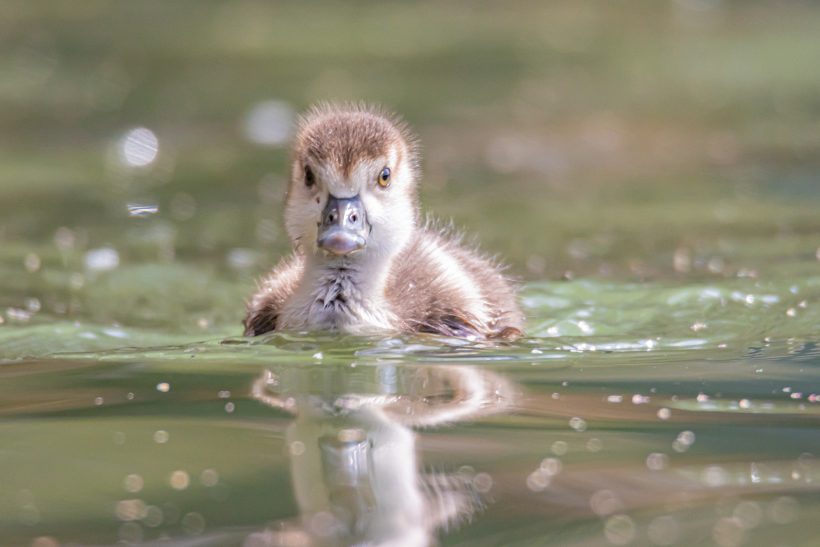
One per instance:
(363, 263)
(355, 472)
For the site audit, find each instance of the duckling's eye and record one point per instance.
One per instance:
(310, 179)
(384, 177)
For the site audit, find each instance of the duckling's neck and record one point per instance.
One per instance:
(346, 294)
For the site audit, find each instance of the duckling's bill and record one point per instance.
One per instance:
(343, 229)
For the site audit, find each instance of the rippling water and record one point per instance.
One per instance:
(652, 414)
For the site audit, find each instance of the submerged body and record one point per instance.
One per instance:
(362, 263)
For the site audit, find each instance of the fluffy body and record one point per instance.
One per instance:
(408, 278)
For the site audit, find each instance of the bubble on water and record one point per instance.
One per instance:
(745, 404)
(297, 448)
(614, 398)
(698, 326)
(559, 448)
(605, 502)
(230, 407)
(619, 530)
(102, 259)
(791, 312)
(318, 356)
(483, 482)
(269, 123)
(98, 401)
(161, 436)
(130, 509)
(748, 513)
(702, 398)
(130, 532)
(684, 441)
(550, 466)
(139, 147)
(163, 387)
(639, 399)
(578, 424)
(656, 461)
(179, 480)
(209, 477)
(796, 395)
(715, 476)
(664, 413)
(783, 510)
(133, 483)
(663, 530)
(193, 524)
(728, 532)
(153, 516)
(537, 481)
(594, 445)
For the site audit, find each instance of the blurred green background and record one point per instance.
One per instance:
(640, 140)
(664, 155)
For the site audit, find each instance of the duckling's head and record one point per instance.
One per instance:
(352, 190)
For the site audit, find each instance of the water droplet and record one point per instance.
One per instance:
(297, 448)
(209, 478)
(483, 482)
(139, 147)
(605, 502)
(559, 448)
(153, 516)
(133, 483)
(578, 424)
(102, 260)
(656, 461)
(179, 480)
(619, 530)
(130, 532)
(193, 524)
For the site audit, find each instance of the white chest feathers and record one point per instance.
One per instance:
(337, 299)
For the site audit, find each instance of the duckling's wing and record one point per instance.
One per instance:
(441, 286)
(274, 289)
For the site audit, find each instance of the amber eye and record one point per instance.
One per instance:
(384, 177)
(310, 179)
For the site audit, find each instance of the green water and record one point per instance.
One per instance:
(650, 174)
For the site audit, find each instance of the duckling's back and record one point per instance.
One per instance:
(439, 285)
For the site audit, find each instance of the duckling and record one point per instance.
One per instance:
(363, 261)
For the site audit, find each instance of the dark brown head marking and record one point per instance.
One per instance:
(343, 135)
